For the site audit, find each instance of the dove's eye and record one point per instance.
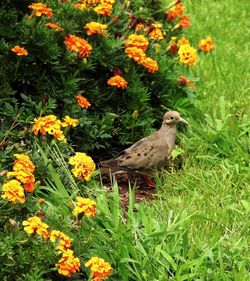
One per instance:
(172, 118)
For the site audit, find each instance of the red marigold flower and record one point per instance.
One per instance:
(117, 81)
(151, 65)
(136, 54)
(40, 9)
(53, 26)
(83, 102)
(79, 45)
(206, 45)
(138, 41)
(184, 22)
(184, 81)
(20, 51)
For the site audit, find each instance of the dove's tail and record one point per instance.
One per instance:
(111, 166)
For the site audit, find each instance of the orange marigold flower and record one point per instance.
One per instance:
(68, 264)
(34, 225)
(188, 55)
(84, 166)
(64, 241)
(20, 51)
(23, 171)
(80, 6)
(138, 41)
(206, 45)
(156, 33)
(79, 45)
(184, 81)
(139, 27)
(83, 102)
(151, 65)
(175, 12)
(67, 121)
(90, 1)
(117, 81)
(136, 54)
(40, 9)
(99, 268)
(85, 206)
(13, 192)
(104, 9)
(184, 22)
(53, 26)
(183, 41)
(49, 124)
(96, 28)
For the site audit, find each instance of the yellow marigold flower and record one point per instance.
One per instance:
(151, 65)
(99, 268)
(96, 28)
(83, 102)
(156, 33)
(84, 166)
(53, 26)
(206, 45)
(64, 242)
(80, 6)
(13, 192)
(67, 121)
(188, 55)
(79, 45)
(34, 225)
(68, 264)
(90, 1)
(136, 54)
(104, 9)
(86, 206)
(117, 81)
(40, 9)
(41, 201)
(183, 41)
(139, 41)
(23, 171)
(20, 51)
(49, 124)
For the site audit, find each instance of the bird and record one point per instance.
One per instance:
(148, 153)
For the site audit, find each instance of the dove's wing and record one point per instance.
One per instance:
(146, 153)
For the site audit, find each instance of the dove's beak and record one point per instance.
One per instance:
(183, 121)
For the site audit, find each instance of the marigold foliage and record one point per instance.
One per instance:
(99, 268)
(13, 192)
(84, 166)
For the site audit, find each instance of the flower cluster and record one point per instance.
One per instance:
(13, 192)
(53, 26)
(99, 268)
(96, 28)
(40, 9)
(176, 12)
(23, 171)
(51, 125)
(78, 45)
(84, 166)
(117, 81)
(187, 54)
(206, 45)
(136, 46)
(34, 225)
(84, 206)
(20, 51)
(83, 102)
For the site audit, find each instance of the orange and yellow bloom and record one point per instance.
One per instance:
(175, 12)
(100, 269)
(96, 28)
(53, 26)
(68, 264)
(207, 45)
(184, 22)
(85, 206)
(138, 41)
(151, 65)
(117, 81)
(183, 41)
(67, 121)
(64, 241)
(40, 9)
(104, 8)
(84, 166)
(188, 55)
(136, 54)
(34, 225)
(78, 45)
(13, 192)
(20, 51)
(83, 102)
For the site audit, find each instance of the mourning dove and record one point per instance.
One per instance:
(149, 152)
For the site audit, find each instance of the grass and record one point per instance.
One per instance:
(212, 191)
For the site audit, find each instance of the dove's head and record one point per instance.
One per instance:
(171, 118)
